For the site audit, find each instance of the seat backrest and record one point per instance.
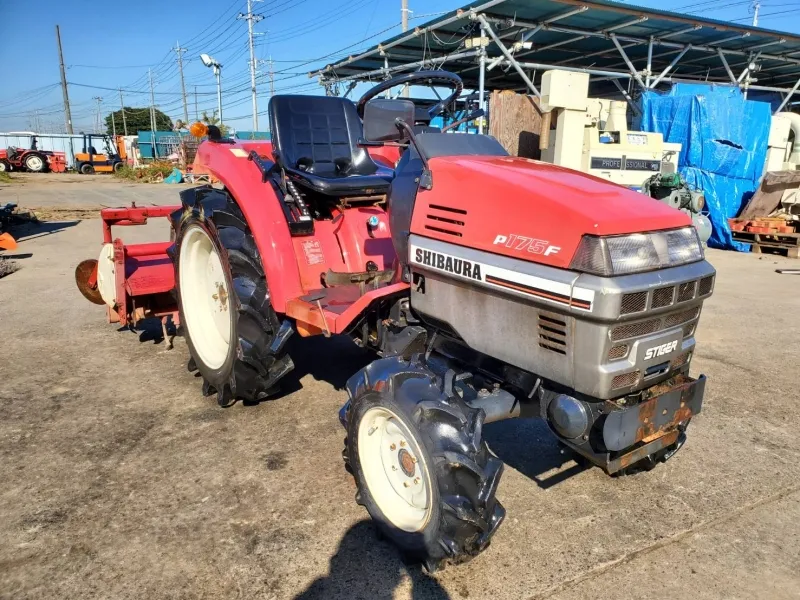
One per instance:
(318, 135)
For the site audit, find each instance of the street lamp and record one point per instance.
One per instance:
(211, 62)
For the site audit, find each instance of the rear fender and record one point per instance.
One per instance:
(229, 164)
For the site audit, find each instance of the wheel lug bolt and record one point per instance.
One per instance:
(392, 447)
(394, 468)
(401, 444)
(405, 484)
(416, 480)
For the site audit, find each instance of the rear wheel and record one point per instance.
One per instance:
(118, 167)
(86, 169)
(4, 166)
(234, 336)
(35, 163)
(422, 471)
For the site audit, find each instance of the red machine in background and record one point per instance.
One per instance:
(489, 286)
(33, 159)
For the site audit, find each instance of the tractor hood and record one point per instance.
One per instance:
(482, 201)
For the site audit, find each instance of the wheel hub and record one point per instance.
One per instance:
(406, 461)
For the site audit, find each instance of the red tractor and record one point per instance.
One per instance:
(20, 159)
(489, 286)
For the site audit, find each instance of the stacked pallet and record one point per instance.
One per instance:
(768, 234)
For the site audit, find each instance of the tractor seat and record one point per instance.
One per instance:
(315, 141)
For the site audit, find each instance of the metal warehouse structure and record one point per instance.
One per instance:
(506, 44)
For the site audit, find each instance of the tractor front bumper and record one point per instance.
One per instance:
(622, 435)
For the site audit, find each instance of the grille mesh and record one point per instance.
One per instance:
(626, 380)
(618, 351)
(680, 360)
(633, 303)
(705, 285)
(681, 317)
(686, 291)
(688, 330)
(663, 297)
(635, 329)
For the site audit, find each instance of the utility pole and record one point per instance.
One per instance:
(152, 113)
(99, 101)
(756, 6)
(122, 108)
(196, 114)
(404, 21)
(179, 51)
(271, 78)
(251, 18)
(67, 113)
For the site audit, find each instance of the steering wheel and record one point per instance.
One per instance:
(429, 78)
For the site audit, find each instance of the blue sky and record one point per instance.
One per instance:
(111, 45)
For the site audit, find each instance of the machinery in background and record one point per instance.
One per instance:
(591, 134)
(7, 242)
(107, 160)
(672, 190)
(22, 159)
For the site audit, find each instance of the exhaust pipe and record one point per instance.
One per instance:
(498, 405)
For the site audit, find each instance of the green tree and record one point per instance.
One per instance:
(213, 119)
(137, 119)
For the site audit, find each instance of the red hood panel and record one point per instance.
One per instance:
(540, 209)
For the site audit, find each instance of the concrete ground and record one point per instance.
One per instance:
(119, 480)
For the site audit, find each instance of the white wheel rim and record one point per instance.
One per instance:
(2, 166)
(205, 297)
(107, 275)
(34, 163)
(394, 469)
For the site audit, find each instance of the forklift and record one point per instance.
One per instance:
(108, 160)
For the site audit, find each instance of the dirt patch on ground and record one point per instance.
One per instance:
(64, 214)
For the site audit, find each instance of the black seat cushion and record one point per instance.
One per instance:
(315, 140)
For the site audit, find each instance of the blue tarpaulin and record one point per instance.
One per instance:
(724, 146)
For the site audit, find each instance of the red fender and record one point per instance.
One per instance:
(229, 164)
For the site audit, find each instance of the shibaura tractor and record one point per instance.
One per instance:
(489, 287)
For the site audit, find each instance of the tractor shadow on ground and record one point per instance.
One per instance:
(34, 229)
(366, 567)
(149, 330)
(333, 360)
(528, 446)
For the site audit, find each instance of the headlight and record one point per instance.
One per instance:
(626, 254)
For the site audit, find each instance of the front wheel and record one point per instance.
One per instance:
(234, 336)
(422, 470)
(86, 169)
(4, 166)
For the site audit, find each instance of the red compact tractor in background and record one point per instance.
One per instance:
(21, 159)
(489, 286)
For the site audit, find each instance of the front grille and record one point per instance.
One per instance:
(618, 352)
(688, 330)
(686, 291)
(633, 303)
(635, 329)
(680, 360)
(705, 285)
(626, 380)
(681, 317)
(451, 224)
(663, 297)
(552, 332)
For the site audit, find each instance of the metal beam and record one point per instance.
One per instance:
(727, 67)
(627, 96)
(746, 70)
(680, 32)
(788, 96)
(649, 62)
(482, 78)
(485, 25)
(420, 63)
(668, 68)
(518, 45)
(627, 60)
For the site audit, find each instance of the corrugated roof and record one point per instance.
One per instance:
(576, 34)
